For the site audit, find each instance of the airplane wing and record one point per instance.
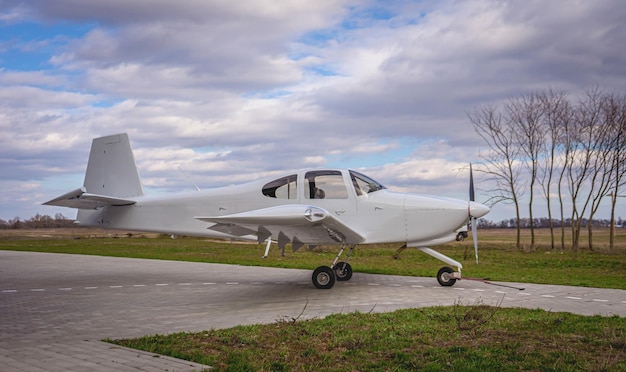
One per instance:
(81, 199)
(296, 223)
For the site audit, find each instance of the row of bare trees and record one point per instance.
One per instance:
(38, 221)
(545, 223)
(567, 153)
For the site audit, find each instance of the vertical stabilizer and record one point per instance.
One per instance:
(111, 169)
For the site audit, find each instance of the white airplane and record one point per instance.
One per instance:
(308, 207)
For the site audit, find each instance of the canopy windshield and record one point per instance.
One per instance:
(364, 184)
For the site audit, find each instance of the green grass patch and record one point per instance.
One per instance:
(466, 338)
(499, 260)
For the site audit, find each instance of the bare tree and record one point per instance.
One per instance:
(15, 223)
(615, 118)
(500, 162)
(584, 171)
(602, 174)
(39, 221)
(556, 117)
(526, 115)
(565, 158)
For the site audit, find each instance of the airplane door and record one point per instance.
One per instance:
(328, 189)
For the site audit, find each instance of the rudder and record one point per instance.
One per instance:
(111, 169)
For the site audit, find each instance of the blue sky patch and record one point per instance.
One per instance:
(29, 46)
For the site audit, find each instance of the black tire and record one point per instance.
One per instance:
(323, 277)
(343, 271)
(460, 237)
(445, 278)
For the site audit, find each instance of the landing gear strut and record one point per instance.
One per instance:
(324, 277)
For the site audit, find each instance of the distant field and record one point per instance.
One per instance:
(499, 260)
(505, 238)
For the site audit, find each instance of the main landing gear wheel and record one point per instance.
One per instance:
(343, 271)
(445, 277)
(323, 277)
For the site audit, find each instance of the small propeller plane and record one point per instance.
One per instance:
(310, 207)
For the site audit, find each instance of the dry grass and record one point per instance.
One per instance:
(71, 233)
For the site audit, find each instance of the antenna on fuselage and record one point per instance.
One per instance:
(188, 178)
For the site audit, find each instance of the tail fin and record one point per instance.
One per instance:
(111, 179)
(111, 170)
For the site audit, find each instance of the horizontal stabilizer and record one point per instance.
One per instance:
(81, 199)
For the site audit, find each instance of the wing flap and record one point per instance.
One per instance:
(81, 199)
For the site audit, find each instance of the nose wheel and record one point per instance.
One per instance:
(446, 277)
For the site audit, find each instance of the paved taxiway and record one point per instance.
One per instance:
(55, 308)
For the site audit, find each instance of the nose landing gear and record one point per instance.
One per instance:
(446, 276)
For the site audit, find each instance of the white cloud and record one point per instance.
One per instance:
(231, 91)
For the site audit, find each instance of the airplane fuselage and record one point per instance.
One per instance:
(378, 216)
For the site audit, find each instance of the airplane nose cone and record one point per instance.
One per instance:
(478, 210)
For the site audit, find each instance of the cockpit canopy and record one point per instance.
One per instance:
(321, 184)
(282, 188)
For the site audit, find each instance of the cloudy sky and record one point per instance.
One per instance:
(231, 91)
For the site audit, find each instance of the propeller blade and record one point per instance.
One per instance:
(472, 197)
(471, 185)
(475, 237)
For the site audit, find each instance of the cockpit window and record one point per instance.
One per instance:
(325, 184)
(363, 184)
(282, 188)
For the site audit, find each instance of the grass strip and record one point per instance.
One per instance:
(498, 260)
(466, 338)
